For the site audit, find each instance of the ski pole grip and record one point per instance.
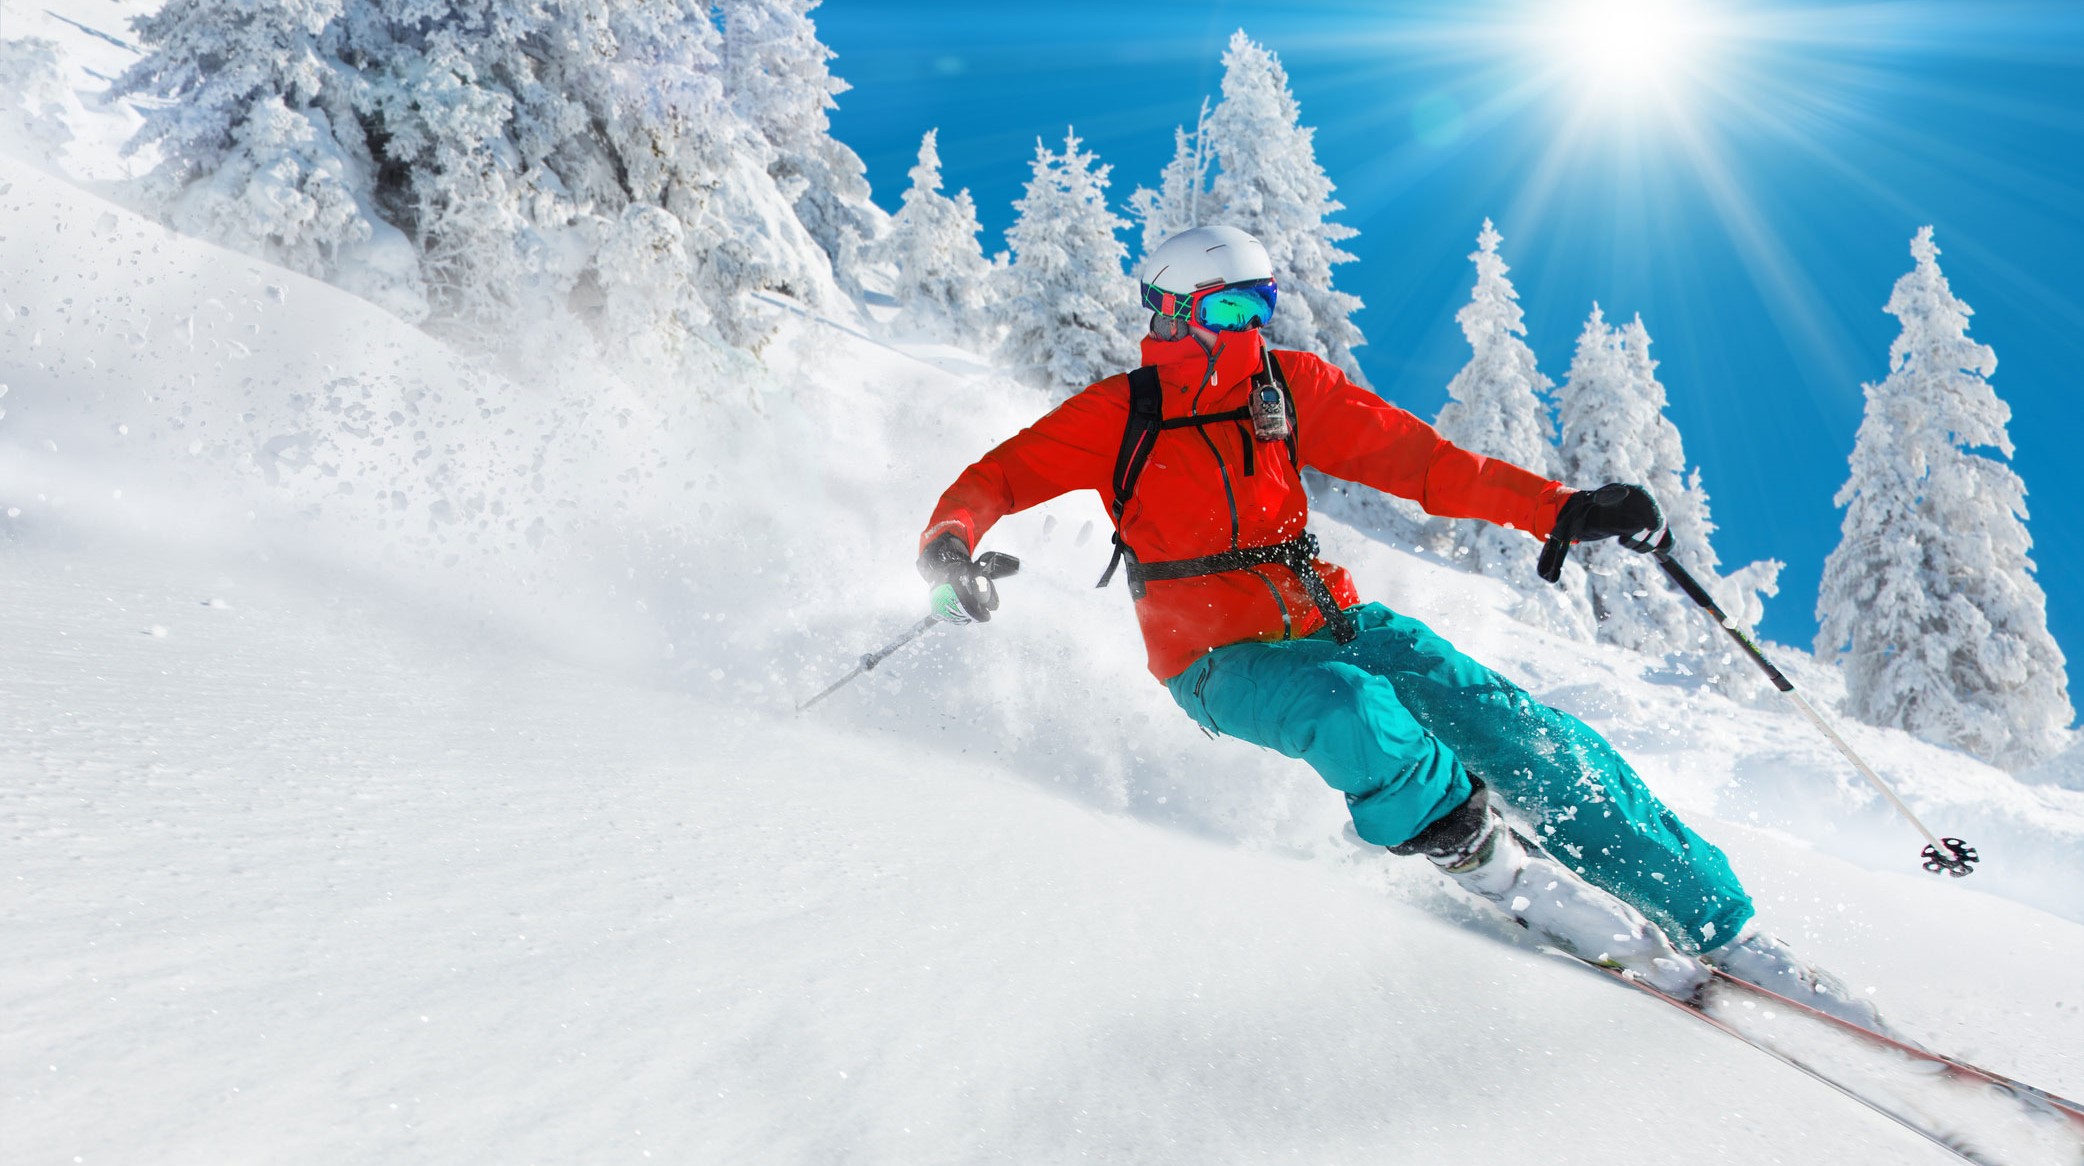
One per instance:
(1655, 543)
(997, 565)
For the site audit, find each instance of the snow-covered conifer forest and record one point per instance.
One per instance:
(441, 444)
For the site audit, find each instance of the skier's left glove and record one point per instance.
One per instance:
(962, 592)
(1615, 510)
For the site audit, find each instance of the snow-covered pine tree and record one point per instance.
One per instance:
(1071, 317)
(943, 278)
(210, 70)
(674, 142)
(1496, 403)
(1268, 183)
(1497, 407)
(433, 90)
(1182, 193)
(1742, 593)
(250, 100)
(776, 76)
(1929, 602)
(1614, 430)
(505, 139)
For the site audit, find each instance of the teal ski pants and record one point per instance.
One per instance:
(1397, 720)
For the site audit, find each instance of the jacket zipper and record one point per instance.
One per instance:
(1222, 468)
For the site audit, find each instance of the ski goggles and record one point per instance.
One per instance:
(1238, 307)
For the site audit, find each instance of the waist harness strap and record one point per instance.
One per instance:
(1297, 554)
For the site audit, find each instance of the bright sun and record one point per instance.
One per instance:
(1626, 47)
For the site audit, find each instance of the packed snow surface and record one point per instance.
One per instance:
(315, 878)
(400, 764)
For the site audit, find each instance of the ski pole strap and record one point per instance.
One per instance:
(1298, 554)
(1568, 523)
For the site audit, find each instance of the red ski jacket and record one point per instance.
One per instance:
(1194, 497)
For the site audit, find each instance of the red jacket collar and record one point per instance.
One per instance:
(1183, 362)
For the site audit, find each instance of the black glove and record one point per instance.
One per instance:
(1611, 511)
(1615, 510)
(963, 592)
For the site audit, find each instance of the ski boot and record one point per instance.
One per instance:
(1479, 850)
(1757, 958)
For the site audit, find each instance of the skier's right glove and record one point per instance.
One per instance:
(1615, 510)
(962, 592)
(1611, 511)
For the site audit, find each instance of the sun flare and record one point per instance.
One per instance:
(1627, 47)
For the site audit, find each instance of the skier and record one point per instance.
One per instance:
(1200, 453)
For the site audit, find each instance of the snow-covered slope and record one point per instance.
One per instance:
(316, 876)
(400, 764)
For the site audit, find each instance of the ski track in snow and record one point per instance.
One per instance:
(354, 815)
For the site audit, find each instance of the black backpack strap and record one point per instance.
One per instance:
(1146, 419)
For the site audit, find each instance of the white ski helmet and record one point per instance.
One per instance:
(1199, 259)
(1203, 257)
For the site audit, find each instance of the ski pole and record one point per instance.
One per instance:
(1945, 855)
(991, 564)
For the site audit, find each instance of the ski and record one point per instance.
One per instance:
(1975, 1114)
(2031, 1095)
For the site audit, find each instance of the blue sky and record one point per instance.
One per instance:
(1754, 204)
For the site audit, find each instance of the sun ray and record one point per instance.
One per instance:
(1797, 306)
